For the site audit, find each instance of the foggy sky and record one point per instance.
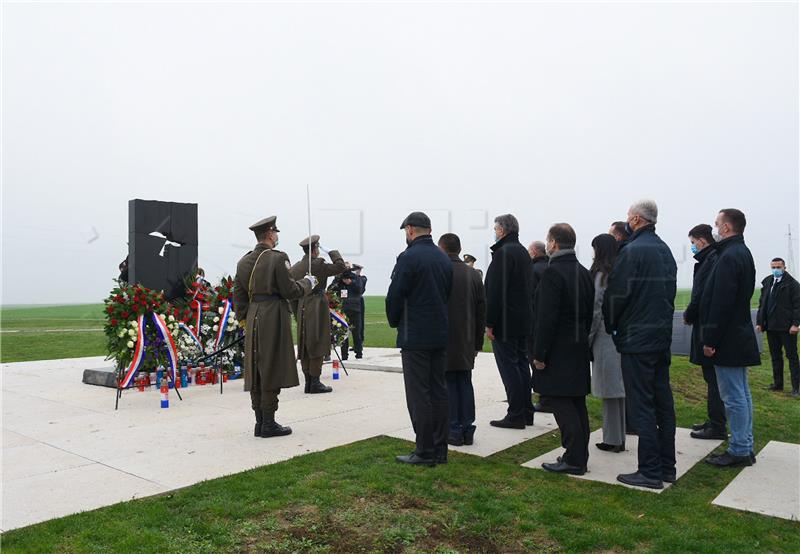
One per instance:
(551, 112)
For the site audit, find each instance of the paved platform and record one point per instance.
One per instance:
(66, 450)
(770, 487)
(605, 466)
(490, 440)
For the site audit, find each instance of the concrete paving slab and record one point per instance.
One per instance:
(605, 466)
(770, 487)
(21, 462)
(490, 440)
(41, 497)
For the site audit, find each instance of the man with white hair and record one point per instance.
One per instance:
(638, 307)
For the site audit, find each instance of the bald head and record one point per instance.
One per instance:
(536, 248)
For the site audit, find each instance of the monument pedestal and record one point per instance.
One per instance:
(103, 377)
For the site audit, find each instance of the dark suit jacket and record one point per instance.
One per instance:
(564, 310)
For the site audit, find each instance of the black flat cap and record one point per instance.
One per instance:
(265, 224)
(417, 219)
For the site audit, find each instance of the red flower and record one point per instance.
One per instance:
(109, 308)
(113, 322)
(124, 315)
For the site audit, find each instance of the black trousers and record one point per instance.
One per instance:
(354, 319)
(461, 399)
(426, 397)
(515, 372)
(648, 392)
(780, 341)
(715, 407)
(573, 422)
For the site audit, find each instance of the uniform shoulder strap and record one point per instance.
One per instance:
(252, 274)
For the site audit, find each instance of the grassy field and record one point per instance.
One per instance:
(53, 332)
(355, 498)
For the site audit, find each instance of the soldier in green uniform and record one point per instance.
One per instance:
(262, 290)
(312, 313)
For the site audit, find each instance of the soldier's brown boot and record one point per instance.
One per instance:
(271, 428)
(317, 387)
(259, 421)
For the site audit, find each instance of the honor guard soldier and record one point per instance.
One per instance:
(262, 290)
(470, 260)
(313, 313)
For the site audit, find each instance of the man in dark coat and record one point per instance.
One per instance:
(466, 317)
(350, 288)
(779, 316)
(262, 290)
(313, 313)
(416, 305)
(729, 340)
(704, 250)
(539, 261)
(508, 319)
(637, 309)
(564, 307)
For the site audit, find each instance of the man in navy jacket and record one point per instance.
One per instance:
(416, 305)
(637, 308)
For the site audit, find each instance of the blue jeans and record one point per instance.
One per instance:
(735, 393)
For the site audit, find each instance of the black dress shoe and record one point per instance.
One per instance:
(413, 459)
(542, 408)
(274, 429)
(561, 459)
(774, 387)
(359, 356)
(639, 480)
(753, 457)
(529, 420)
(506, 423)
(563, 467)
(726, 459)
(709, 433)
(455, 440)
(700, 426)
(615, 448)
(441, 460)
(669, 477)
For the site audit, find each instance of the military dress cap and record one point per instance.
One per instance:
(417, 219)
(313, 239)
(266, 224)
(470, 258)
(356, 267)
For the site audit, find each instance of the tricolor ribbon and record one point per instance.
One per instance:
(138, 356)
(192, 335)
(339, 318)
(223, 323)
(166, 336)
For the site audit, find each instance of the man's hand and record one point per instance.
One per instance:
(793, 330)
(311, 279)
(490, 334)
(539, 365)
(761, 329)
(709, 351)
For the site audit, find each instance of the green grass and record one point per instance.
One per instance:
(21, 338)
(355, 498)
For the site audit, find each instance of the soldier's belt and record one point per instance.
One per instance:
(265, 297)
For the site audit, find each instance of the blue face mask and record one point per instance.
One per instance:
(694, 249)
(777, 273)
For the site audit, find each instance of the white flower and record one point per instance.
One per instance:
(221, 310)
(134, 324)
(121, 333)
(130, 344)
(132, 332)
(216, 327)
(172, 318)
(216, 320)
